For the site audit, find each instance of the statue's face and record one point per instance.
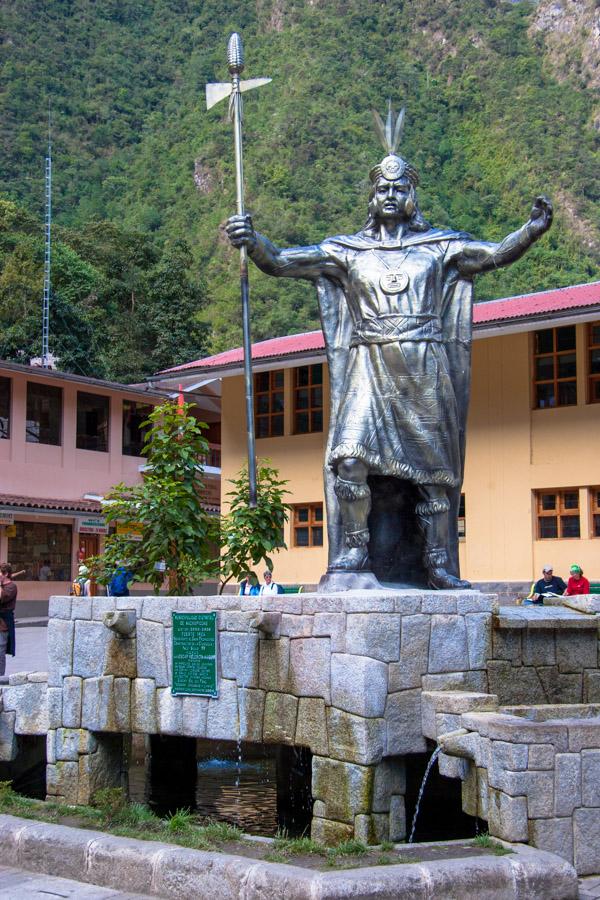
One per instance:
(391, 197)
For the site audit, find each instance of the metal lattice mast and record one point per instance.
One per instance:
(47, 258)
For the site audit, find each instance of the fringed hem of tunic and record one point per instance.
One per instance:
(394, 467)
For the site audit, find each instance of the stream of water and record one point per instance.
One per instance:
(432, 760)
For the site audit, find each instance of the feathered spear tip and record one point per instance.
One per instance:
(390, 133)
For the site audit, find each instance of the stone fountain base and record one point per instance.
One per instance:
(349, 676)
(341, 674)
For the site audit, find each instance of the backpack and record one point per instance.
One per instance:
(76, 589)
(119, 583)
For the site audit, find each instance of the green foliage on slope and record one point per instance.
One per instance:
(488, 127)
(120, 307)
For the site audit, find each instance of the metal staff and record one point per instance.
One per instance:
(215, 93)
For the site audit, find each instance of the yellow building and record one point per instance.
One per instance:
(532, 480)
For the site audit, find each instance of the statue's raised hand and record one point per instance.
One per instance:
(540, 219)
(240, 232)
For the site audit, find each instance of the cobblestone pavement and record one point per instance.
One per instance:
(589, 888)
(17, 884)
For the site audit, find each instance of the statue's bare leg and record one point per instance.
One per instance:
(432, 516)
(354, 498)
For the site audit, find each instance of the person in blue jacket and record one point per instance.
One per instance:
(118, 585)
(249, 586)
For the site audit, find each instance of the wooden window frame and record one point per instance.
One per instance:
(462, 534)
(555, 381)
(310, 410)
(5, 430)
(594, 493)
(558, 513)
(83, 439)
(140, 410)
(36, 393)
(591, 379)
(311, 523)
(272, 414)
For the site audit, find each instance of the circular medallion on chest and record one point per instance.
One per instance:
(393, 282)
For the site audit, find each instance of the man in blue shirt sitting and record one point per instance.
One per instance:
(547, 585)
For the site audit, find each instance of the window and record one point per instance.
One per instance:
(307, 525)
(462, 520)
(268, 403)
(92, 422)
(308, 399)
(134, 436)
(44, 414)
(558, 513)
(555, 367)
(595, 511)
(594, 362)
(42, 549)
(4, 408)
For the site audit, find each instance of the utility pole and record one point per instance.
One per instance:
(47, 256)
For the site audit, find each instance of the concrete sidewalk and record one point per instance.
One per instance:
(32, 650)
(17, 884)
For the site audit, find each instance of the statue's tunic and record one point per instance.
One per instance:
(398, 409)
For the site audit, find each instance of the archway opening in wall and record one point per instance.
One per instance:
(261, 788)
(441, 817)
(27, 772)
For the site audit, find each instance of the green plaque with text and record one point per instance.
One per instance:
(195, 654)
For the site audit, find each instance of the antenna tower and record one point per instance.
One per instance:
(47, 231)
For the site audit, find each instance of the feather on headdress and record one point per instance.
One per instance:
(392, 166)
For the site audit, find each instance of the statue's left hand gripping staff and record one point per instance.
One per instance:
(215, 93)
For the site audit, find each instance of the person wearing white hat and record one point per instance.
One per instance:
(548, 585)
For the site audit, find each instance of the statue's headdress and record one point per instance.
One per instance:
(392, 166)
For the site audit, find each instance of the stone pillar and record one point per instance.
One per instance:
(354, 801)
(81, 763)
(388, 821)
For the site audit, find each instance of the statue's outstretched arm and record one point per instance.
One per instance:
(294, 262)
(480, 256)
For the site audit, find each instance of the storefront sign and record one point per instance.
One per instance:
(131, 531)
(7, 518)
(195, 654)
(93, 525)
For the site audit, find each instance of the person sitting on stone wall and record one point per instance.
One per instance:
(548, 585)
(577, 583)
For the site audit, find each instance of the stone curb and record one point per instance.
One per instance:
(165, 870)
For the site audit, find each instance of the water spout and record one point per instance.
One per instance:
(461, 743)
(268, 623)
(433, 758)
(121, 621)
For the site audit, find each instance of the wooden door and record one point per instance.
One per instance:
(88, 546)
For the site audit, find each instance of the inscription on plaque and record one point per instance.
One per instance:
(195, 654)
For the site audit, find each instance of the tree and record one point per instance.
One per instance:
(177, 533)
(173, 303)
(250, 534)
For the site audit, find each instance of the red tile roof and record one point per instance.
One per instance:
(88, 506)
(486, 313)
(528, 305)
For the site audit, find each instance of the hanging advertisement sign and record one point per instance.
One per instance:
(133, 531)
(91, 525)
(7, 518)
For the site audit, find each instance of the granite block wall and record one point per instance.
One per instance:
(340, 674)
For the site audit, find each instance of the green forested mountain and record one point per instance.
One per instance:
(496, 114)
